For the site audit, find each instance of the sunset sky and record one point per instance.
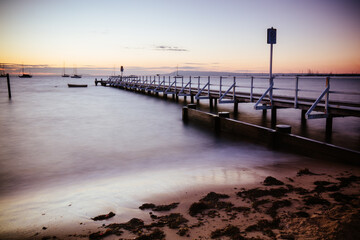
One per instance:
(156, 36)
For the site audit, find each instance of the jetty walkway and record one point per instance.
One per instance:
(315, 103)
(312, 95)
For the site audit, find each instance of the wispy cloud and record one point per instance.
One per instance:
(170, 48)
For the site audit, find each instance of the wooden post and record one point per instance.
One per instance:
(8, 85)
(185, 114)
(273, 117)
(235, 106)
(328, 132)
(283, 128)
(303, 117)
(224, 114)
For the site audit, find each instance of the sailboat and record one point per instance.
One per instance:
(25, 75)
(75, 75)
(2, 70)
(64, 74)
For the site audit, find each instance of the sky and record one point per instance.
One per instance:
(159, 36)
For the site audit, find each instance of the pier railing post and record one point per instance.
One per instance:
(234, 96)
(296, 92)
(209, 85)
(251, 88)
(327, 95)
(220, 86)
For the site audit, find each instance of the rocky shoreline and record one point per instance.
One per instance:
(308, 205)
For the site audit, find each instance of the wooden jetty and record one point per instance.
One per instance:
(238, 89)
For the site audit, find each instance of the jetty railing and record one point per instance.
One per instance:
(304, 92)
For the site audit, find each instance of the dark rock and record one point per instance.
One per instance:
(213, 213)
(162, 208)
(320, 189)
(101, 235)
(265, 226)
(224, 205)
(322, 183)
(346, 181)
(255, 193)
(323, 186)
(270, 181)
(134, 225)
(314, 200)
(258, 203)
(301, 214)
(287, 236)
(214, 197)
(103, 217)
(305, 171)
(183, 231)
(158, 208)
(198, 207)
(301, 191)
(174, 220)
(157, 234)
(241, 209)
(290, 179)
(229, 231)
(147, 206)
(342, 198)
(272, 211)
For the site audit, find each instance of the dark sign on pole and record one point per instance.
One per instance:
(121, 68)
(271, 36)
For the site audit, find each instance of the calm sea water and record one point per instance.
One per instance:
(69, 154)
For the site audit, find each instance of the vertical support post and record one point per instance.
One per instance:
(273, 117)
(211, 103)
(198, 90)
(198, 84)
(209, 86)
(251, 88)
(169, 82)
(328, 132)
(236, 106)
(8, 85)
(271, 76)
(264, 111)
(234, 97)
(271, 39)
(327, 95)
(175, 87)
(296, 92)
(220, 86)
(303, 117)
(190, 92)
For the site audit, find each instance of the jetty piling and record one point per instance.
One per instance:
(8, 85)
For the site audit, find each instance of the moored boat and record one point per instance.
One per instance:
(24, 75)
(77, 85)
(75, 75)
(64, 74)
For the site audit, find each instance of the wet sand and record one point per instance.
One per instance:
(308, 202)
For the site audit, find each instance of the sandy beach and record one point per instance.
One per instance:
(317, 202)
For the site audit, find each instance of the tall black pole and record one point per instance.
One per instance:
(8, 84)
